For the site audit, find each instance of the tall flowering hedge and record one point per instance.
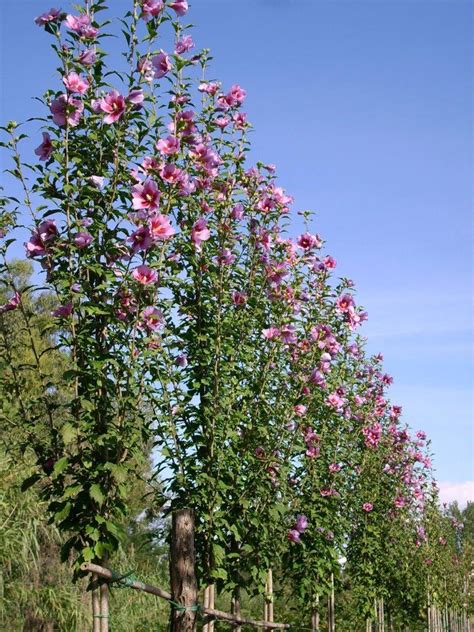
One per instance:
(192, 321)
(180, 299)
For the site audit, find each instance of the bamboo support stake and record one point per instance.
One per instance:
(235, 607)
(268, 598)
(205, 627)
(95, 605)
(104, 607)
(270, 595)
(332, 605)
(212, 603)
(380, 626)
(163, 594)
(265, 605)
(315, 615)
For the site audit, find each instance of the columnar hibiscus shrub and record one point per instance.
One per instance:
(389, 490)
(93, 222)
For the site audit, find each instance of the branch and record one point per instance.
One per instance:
(159, 592)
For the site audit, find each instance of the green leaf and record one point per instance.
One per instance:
(28, 482)
(68, 433)
(72, 490)
(96, 493)
(61, 515)
(88, 554)
(60, 466)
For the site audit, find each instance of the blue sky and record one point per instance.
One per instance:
(365, 107)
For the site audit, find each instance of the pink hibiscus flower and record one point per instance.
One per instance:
(146, 196)
(168, 146)
(11, 304)
(180, 6)
(82, 25)
(160, 227)
(45, 150)
(66, 109)
(200, 233)
(145, 275)
(53, 15)
(161, 64)
(76, 83)
(151, 9)
(113, 105)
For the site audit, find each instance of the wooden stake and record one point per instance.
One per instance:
(104, 607)
(270, 595)
(212, 603)
(95, 605)
(268, 603)
(235, 607)
(182, 572)
(332, 606)
(315, 616)
(205, 627)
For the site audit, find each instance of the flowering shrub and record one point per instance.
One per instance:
(193, 321)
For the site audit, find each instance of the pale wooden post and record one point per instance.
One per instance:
(315, 615)
(212, 604)
(104, 607)
(235, 607)
(182, 572)
(268, 604)
(205, 627)
(382, 615)
(331, 607)
(95, 605)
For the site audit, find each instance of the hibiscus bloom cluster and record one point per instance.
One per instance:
(299, 527)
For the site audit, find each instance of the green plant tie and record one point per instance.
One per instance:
(124, 581)
(180, 608)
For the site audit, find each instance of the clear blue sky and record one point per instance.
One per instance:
(365, 107)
